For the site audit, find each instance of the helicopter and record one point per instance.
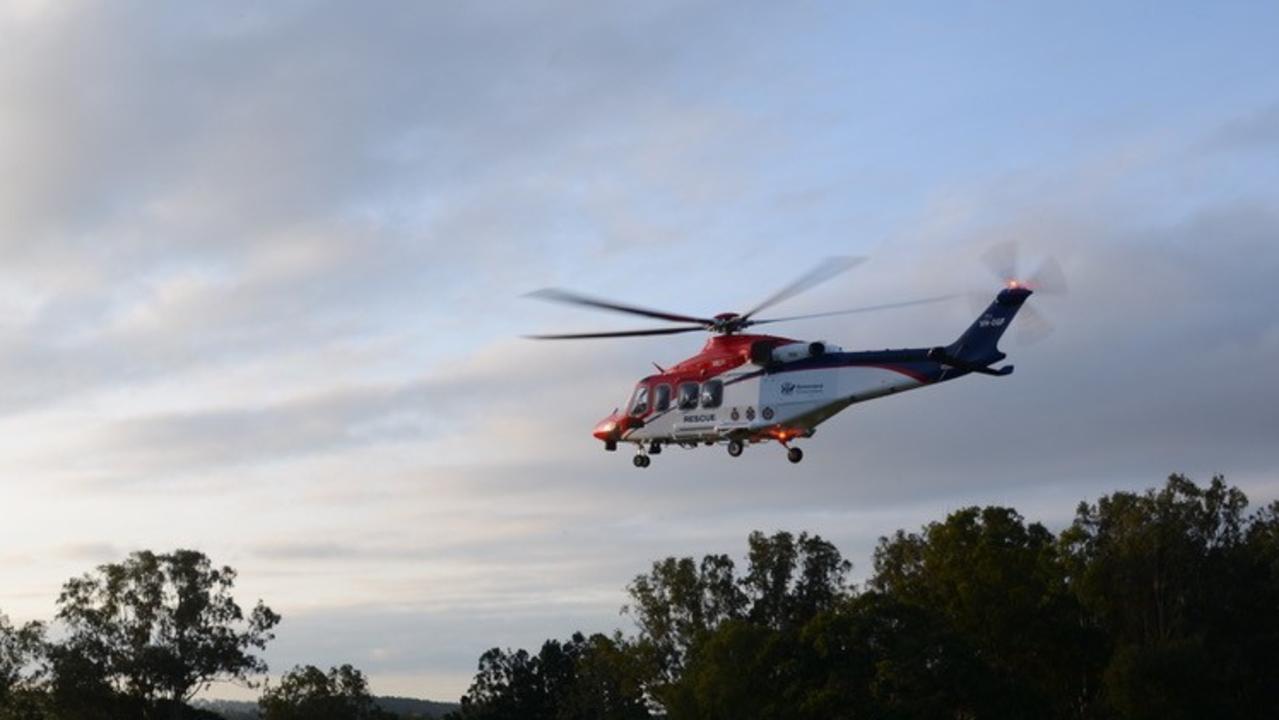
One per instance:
(743, 388)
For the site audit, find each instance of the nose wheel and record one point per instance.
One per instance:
(641, 461)
(794, 454)
(735, 448)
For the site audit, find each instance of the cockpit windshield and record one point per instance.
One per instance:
(639, 401)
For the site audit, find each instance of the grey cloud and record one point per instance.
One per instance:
(93, 552)
(321, 184)
(304, 551)
(163, 149)
(1257, 130)
(463, 398)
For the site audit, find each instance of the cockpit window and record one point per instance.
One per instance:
(639, 403)
(712, 393)
(687, 396)
(662, 398)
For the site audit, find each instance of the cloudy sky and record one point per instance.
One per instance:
(263, 265)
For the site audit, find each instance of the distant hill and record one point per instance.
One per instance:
(407, 708)
(414, 708)
(229, 709)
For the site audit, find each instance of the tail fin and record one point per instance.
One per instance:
(980, 342)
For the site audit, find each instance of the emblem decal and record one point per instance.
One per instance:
(750, 413)
(735, 415)
(768, 413)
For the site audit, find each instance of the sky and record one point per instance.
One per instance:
(263, 267)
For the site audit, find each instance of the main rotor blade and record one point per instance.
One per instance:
(850, 311)
(619, 333)
(564, 296)
(825, 270)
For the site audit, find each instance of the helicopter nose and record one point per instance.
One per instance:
(610, 428)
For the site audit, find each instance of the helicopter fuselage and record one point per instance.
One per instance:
(723, 394)
(744, 388)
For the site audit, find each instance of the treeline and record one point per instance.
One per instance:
(1163, 604)
(139, 639)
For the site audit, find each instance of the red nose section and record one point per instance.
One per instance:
(611, 427)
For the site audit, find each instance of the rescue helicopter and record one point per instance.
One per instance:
(743, 388)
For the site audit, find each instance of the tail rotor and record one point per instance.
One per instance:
(1004, 262)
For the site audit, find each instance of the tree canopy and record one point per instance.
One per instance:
(584, 678)
(1158, 604)
(156, 627)
(309, 693)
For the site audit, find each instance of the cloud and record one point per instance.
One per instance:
(263, 266)
(1253, 131)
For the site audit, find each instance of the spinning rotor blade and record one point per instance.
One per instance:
(1002, 260)
(1048, 279)
(619, 333)
(825, 270)
(563, 296)
(1032, 326)
(868, 308)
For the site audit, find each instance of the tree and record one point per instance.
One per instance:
(582, 679)
(741, 669)
(1252, 665)
(678, 601)
(877, 656)
(309, 693)
(21, 674)
(1184, 585)
(1160, 604)
(157, 627)
(787, 581)
(684, 609)
(1000, 584)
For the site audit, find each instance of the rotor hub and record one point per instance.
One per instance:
(726, 323)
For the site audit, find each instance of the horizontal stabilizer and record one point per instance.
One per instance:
(940, 355)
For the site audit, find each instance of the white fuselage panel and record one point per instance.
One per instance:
(794, 401)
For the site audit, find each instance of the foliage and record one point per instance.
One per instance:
(679, 602)
(309, 693)
(1000, 584)
(1185, 588)
(581, 679)
(21, 673)
(1162, 604)
(154, 627)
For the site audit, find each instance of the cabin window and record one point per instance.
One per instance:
(687, 396)
(639, 403)
(712, 393)
(662, 398)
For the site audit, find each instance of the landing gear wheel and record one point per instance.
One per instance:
(641, 461)
(794, 455)
(735, 447)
